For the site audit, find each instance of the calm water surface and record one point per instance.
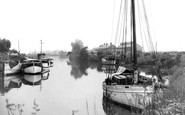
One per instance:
(67, 91)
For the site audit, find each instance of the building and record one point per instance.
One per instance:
(128, 46)
(107, 48)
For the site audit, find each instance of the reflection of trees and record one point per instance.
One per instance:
(8, 83)
(79, 69)
(80, 59)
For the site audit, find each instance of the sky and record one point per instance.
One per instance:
(59, 22)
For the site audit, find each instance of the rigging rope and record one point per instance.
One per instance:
(113, 21)
(118, 23)
(147, 24)
(140, 25)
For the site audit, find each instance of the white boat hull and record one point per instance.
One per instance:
(45, 65)
(32, 70)
(9, 71)
(51, 63)
(130, 95)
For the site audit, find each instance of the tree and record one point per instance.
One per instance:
(13, 51)
(4, 45)
(76, 48)
(63, 54)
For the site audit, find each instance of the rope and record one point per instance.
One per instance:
(113, 20)
(140, 25)
(118, 23)
(147, 24)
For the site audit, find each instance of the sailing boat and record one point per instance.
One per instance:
(127, 86)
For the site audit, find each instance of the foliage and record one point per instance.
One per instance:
(63, 54)
(77, 46)
(3, 56)
(79, 52)
(13, 51)
(4, 45)
(78, 58)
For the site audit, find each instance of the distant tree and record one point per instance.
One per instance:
(63, 54)
(76, 48)
(4, 45)
(83, 54)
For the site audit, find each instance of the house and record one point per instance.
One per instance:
(107, 48)
(128, 46)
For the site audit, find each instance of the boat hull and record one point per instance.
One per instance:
(46, 63)
(131, 95)
(11, 70)
(32, 69)
(32, 66)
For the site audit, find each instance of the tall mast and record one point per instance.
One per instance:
(134, 33)
(18, 47)
(41, 46)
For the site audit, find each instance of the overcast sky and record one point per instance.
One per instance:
(59, 22)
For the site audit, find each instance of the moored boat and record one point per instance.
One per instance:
(46, 62)
(121, 87)
(51, 63)
(32, 66)
(10, 67)
(127, 86)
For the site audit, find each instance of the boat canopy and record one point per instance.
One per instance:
(122, 70)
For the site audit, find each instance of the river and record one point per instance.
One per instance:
(67, 90)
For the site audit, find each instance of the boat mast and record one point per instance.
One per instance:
(18, 47)
(134, 33)
(41, 46)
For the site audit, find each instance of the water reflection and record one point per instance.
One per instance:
(14, 109)
(18, 109)
(112, 108)
(19, 81)
(78, 69)
(15, 81)
(9, 82)
(35, 108)
(32, 79)
(109, 69)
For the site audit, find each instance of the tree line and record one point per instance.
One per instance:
(160, 63)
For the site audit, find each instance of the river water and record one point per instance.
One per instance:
(66, 90)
